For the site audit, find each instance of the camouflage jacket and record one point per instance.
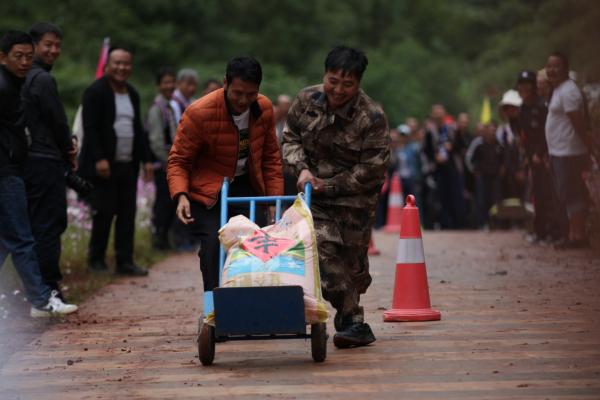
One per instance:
(349, 148)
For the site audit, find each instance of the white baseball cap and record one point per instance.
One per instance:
(511, 98)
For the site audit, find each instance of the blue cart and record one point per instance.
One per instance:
(256, 313)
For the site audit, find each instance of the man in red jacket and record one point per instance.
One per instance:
(229, 133)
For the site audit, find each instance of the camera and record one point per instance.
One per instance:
(78, 184)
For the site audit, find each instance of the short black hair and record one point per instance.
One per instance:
(348, 60)
(563, 58)
(209, 82)
(164, 71)
(119, 47)
(39, 29)
(246, 68)
(12, 38)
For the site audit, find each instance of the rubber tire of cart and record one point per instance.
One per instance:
(206, 344)
(318, 341)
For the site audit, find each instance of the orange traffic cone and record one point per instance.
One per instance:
(373, 251)
(394, 211)
(411, 292)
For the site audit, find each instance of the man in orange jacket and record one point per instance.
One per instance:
(229, 133)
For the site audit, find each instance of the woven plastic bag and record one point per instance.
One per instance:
(277, 255)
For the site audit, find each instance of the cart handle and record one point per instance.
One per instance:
(226, 200)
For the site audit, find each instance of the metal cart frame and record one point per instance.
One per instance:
(256, 313)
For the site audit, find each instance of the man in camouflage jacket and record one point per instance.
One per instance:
(336, 138)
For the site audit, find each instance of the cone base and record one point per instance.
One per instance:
(408, 315)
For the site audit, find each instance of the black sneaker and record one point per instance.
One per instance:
(160, 242)
(98, 266)
(572, 244)
(131, 269)
(357, 334)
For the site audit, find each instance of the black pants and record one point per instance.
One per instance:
(114, 197)
(164, 207)
(206, 226)
(47, 204)
(450, 192)
(487, 191)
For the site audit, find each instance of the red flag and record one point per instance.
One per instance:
(102, 58)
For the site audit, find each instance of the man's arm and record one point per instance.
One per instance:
(156, 133)
(142, 136)
(291, 143)
(573, 104)
(188, 141)
(91, 115)
(369, 173)
(580, 125)
(271, 162)
(53, 113)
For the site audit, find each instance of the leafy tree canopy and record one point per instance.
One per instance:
(420, 52)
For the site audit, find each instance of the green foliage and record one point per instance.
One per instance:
(420, 51)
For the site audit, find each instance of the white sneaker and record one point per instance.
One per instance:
(55, 307)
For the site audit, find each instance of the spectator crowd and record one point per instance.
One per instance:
(534, 167)
(535, 160)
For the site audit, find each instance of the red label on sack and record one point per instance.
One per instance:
(265, 247)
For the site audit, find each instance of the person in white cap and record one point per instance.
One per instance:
(512, 175)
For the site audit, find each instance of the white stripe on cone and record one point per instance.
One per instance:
(410, 251)
(395, 199)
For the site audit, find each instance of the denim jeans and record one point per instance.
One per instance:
(16, 239)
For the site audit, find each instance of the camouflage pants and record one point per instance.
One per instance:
(343, 235)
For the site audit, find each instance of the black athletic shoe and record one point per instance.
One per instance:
(131, 269)
(98, 266)
(572, 244)
(358, 334)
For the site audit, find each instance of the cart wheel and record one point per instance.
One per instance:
(318, 341)
(206, 344)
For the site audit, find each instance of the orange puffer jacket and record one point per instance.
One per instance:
(206, 150)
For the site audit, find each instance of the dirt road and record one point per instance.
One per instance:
(518, 322)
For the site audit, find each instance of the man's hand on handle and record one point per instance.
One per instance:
(307, 177)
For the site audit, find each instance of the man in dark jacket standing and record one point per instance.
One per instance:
(548, 221)
(16, 54)
(50, 154)
(114, 144)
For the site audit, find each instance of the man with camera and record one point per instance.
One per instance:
(16, 54)
(51, 157)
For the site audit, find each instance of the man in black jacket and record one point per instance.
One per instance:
(548, 221)
(51, 153)
(114, 144)
(16, 54)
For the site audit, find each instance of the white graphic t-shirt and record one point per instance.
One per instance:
(242, 122)
(560, 133)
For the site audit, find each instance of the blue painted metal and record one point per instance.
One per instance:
(208, 303)
(277, 209)
(225, 201)
(259, 311)
(253, 210)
